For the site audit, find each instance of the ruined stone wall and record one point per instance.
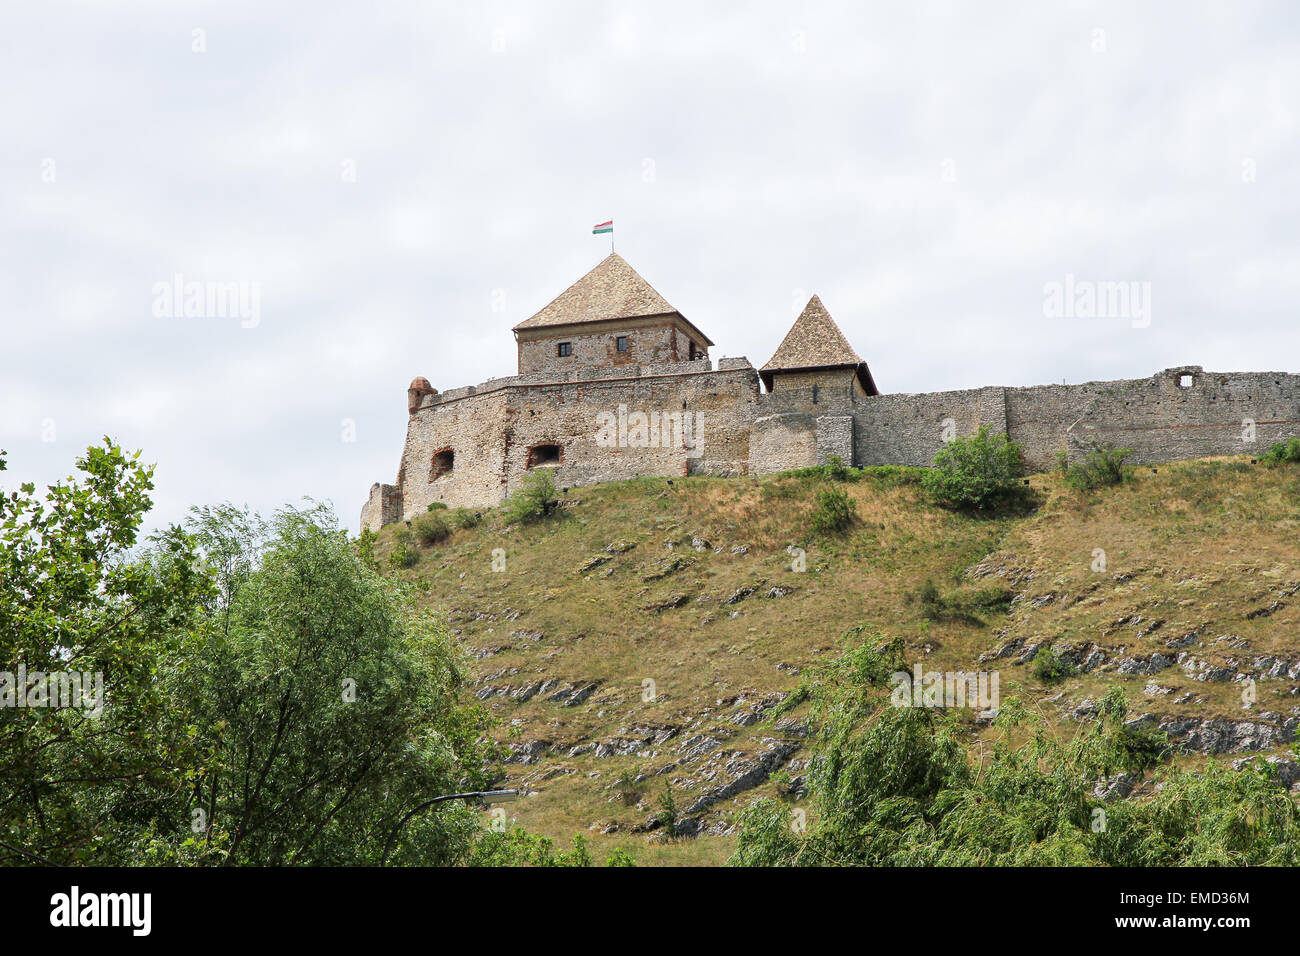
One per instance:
(475, 428)
(1039, 418)
(670, 419)
(384, 506)
(1159, 418)
(699, 421)
(909, 429)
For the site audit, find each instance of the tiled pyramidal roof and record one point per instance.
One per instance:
(815, 341)
(612, 290)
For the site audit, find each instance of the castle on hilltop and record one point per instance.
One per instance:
(615, 383)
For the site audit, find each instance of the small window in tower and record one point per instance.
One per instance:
(1185, 381)
(545, 455)
(564, 349)
(443, 463)
(692, 353)
(621, 343)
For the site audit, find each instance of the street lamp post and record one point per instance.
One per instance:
(483, 796)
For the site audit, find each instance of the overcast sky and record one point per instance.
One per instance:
(402, 182)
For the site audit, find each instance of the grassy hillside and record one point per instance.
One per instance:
(690, 585)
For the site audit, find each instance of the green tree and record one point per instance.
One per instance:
(324, 706)
(893, 785)
(81, 788)
(269, 697)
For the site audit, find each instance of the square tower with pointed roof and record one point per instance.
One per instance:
(815, 353)
(608, 318)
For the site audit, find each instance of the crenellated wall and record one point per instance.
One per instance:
(724, 425)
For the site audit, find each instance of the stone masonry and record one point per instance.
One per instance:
(635, 393)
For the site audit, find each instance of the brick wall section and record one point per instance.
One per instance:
(805, 419)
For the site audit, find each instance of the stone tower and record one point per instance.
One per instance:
(610, 317)
(815, 354)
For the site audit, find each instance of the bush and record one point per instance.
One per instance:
(1050, 667)
(959, 606)
(932, 603)
(1102, 468)
(629, 788)
(366, 549)
(535, 499)
(979, 472)
(893, 476)
(403, 554)
(464, 518)
(1141, 747)
(437, 506)
(667, 815)
(1283, 452)
(902, 786)
(835, 511)
(833, 470)
(432, 527)
(619, 857)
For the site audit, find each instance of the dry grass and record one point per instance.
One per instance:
(1197, 545)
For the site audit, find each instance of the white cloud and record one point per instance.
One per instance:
(924, 167)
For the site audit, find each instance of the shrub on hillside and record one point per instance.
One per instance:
(366, 549)
(833, 470)
(432, 527)
(464, 518)
(404, 554)
(1140, 747)
(1282, 452)
(535, 499)
(1050, 667)
(931, 601)
(960, 606)
(437, 506)
(979, 472)
(834, 512)
(1102, 468)
(668, 816)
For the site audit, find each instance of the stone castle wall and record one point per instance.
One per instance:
(694, 421)
(497, 430)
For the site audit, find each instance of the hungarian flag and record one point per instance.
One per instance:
(602, 227)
